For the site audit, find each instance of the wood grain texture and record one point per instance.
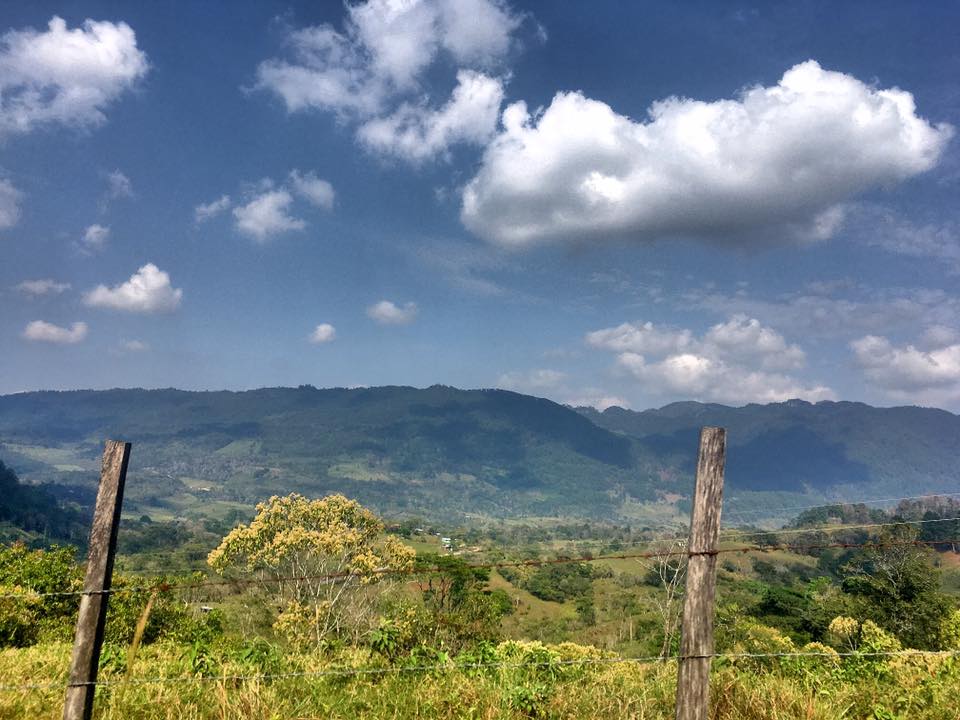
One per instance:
(696, 644)
(93, 605)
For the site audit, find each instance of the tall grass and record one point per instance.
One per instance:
(917, 689)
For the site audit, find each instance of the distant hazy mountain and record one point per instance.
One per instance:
(797, 446)
(448, 453)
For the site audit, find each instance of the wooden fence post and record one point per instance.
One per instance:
(96, 585)
(696, 644)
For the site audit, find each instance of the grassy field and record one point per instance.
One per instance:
(558, 687)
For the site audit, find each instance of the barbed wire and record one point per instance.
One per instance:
(164, 587)
(454, 666)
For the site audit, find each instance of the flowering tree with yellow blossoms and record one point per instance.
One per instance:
(321, 559)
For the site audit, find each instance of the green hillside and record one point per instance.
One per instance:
(438, 451)
(830, 450)
(455, 455)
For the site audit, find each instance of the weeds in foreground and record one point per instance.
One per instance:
(555, 687)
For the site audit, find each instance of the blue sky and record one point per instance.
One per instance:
(600, 203)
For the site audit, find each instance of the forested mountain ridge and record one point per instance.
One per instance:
(447, 453)
(796, 444)
(437, 450)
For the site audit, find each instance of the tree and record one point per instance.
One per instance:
(461, 610)
(320, 558)
(897, 587)
(667, 569)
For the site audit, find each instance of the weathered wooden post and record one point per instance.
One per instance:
(696, 644)
(96, 585)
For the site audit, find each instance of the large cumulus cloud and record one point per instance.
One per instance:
(775, 161)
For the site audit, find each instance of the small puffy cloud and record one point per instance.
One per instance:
(383, 50)
(45, 286)
(416, 132)
(134, 346)
(702, 377)
(400, 38)
(908, 372)
(316, 191)
(323, 333)
(736, 361)
(94, 238)
(776, 161)
(326, 71)
(640, 338)
(533, 381)
(202, 213)
(743, 338)
(9, 204)
(477, 32)
(387, 313)
(147, 291)
(119, 185)
(266, 215)
(40, 331)
(65, 76)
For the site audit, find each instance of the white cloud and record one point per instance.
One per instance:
(477, 32)
(600, 402)
(323, 333)
(400, 38)
(147, 291)
(46, 286)
(202, 213)
(416, 132)
(266, 215)
(119, 185)
(9, 204)
(640, 338)
(533, 381)
(315, 190)
(775, 162)
(94, 238)
(909, 373)
(554, 384)
(327, 72)
(740, 338)
(705, 378)
(745, 338)
(383, 50)
(134, 346)
(372, 71)
(733, 362)
(387, 313)
(937, 241)
(65, 76)
(40, 331)
(823, 313)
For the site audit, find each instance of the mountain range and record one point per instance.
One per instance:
(446, 453)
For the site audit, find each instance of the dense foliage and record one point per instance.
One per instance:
(34, 509)
(486, 628)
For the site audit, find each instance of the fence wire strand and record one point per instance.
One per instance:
(165, 587)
